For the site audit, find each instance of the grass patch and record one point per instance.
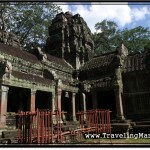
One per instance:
(116, 141)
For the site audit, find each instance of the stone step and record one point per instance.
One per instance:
(141, 126)
(143, 123)
(120, 127)
(9, 134)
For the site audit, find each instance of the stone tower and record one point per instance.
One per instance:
(70, 39)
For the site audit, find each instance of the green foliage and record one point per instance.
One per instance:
(29, 20)
(109, 37)
(136, 39)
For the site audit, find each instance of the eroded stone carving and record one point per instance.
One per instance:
(9, 38)
(8, 68)
(41, 54)
(8, 71)
(70, 37)
(117, 80)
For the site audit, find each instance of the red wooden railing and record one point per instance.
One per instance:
(45, 126)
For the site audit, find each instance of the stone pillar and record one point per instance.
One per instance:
(118, 88)
(73, 107)
(32, 100)
(53, 102)
(94, 99)
(84, 104)
(54, 106)
(3, 104)
(119, 105)
(59, 92)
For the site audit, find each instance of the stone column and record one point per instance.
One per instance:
(53, 102)
(119, 105)
(3, 104)
(94, 99)
(54, 106)
(32, 100)
(73, 107)
(118, 88)
(59, 92)
(84, 104)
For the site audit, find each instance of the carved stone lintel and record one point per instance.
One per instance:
(69, 88)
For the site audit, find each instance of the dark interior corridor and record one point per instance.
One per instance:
(18, 99)
(106, 100)
(43, 100)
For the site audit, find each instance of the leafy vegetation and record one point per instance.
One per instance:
(108, 37)
(28, 20)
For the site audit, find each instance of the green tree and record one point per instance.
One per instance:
(29, 20)
(5, 15)
(136, 39)
(107, 36)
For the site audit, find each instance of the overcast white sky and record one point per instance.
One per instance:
(126, 15)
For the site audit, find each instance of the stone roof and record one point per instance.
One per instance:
(57, 60)
(25, 55)
(99, 61)
(32, 78)
(133, 62)
(18, 53)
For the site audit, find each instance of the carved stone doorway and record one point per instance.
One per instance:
(18, 99)
(106, 100)
(66, 104)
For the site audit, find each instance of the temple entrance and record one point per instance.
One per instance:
(66, 104)
(43, 100)
(89, 105)
(106, 100)
(18, 99)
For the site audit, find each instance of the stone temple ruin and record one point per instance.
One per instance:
(67, 75)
